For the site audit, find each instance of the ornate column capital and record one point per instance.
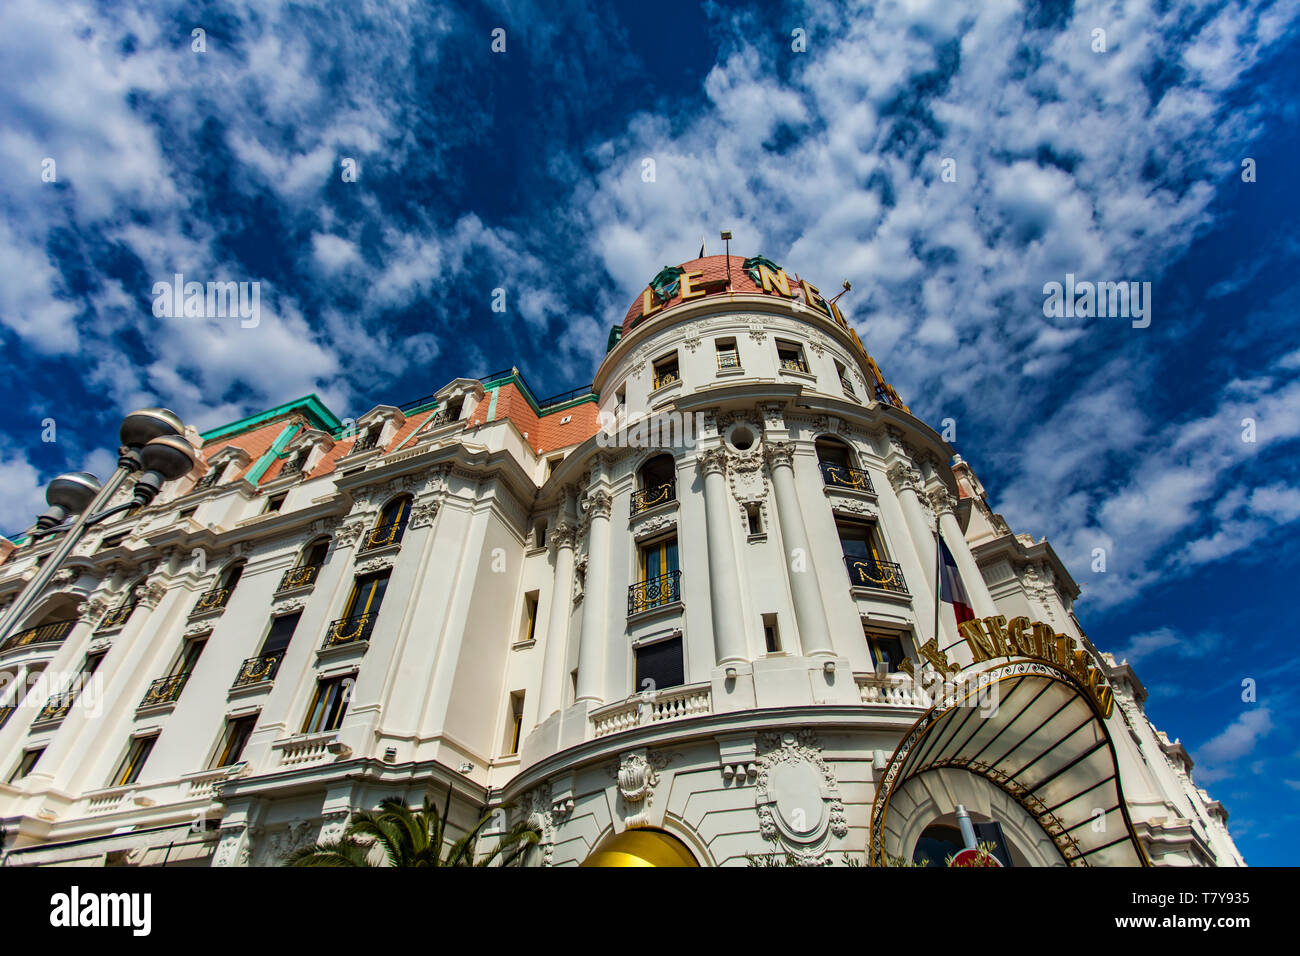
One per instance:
(904, 477)
(779, 453)
(564, 536)
(712, 460)
(941, 502)
(599, 504)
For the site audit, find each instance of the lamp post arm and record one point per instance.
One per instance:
(36, 587)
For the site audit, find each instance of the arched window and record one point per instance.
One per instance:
(656, 483)
(230, 577)
(391, 525)
(314, 556)
(219, 596)
(308, 566)
(838, 467)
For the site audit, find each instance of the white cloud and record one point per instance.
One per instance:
(1233, 743)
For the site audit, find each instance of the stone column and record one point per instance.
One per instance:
(557, 627)
(809, 612)
(591, 643)
(945, 506)
(724, 577)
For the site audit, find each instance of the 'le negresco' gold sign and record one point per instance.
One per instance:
(992, 637)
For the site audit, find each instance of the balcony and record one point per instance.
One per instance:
(842, 476)
(870, 573)
(728, 360)
(848, 387)
(165, 690)
(891, 690)
(117, 617)
(349, 630)
(258, 670)
(365, 442)
(57, 707)
(52, 632)
(655, 592)
(210, 601)
(299, 577)
(672, 703)
(647, 498)
(383, 536)
(664, 377)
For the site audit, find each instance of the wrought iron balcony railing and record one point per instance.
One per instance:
(57, 706)
(383, 535)
(165, 690)
(665, 377)
(299, 577)
(647, 498)
(51, 632)
(211, 600)
(842, 476)
(847, 386)
(794, 365)
(349, 630)
(366, 442)
(208, 480)
(728, 360)
(870, 573)
(258, 670)
(6, 712)
(117, 617)
(655, 592)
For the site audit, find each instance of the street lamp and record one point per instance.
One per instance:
(152, 441)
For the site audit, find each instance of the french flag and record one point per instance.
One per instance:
(950, 589)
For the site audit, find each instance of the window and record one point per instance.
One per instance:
(134, 761)
(516, 725)
(865, 558)
(188, 657)
(728, 357)
(666, 371)
(658, 483)
(539, 533)
(620, 400)
(328, 704)
(771, 635)
(754, 515)
(113, 540)
(230, 577)
(454, 408)
(530, 617)
(659, 665)
(276, 502)
(391, 525)
(26, 764)
(280, 634)
(835, 459)
(314, 556)
(886, 650)
(367, 595)
(660, 579)
(188, 512)
(231, 746)
(790, 357)
(845, 382)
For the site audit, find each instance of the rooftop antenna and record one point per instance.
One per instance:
(847, 286)
(726, 237)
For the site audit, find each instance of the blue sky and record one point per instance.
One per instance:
(522, 171)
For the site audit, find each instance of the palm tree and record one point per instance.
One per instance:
(413, 838)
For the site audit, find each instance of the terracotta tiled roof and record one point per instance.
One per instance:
(256, 442)
(545, 432)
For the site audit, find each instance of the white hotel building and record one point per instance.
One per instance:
(704, 654)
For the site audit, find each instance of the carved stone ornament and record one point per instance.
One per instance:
(797, 797)
(904, 477)
(779, 453)
(773, 416)
(350, 532)
(152, 592)
(333, 824)
(381, 563)
(197, 628)
(653, 524)
(598, 504)
(693, 333)
(288, 605)
(941, 502)
(843, 504)
(232, 847)
(423, 514)
(565, 535)
(712, 460)
(637, 774)
(543, 814)
(274, 846)
(92, 610)
(64, 576)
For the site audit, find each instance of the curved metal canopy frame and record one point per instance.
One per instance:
(1045, 744)
(641, 847)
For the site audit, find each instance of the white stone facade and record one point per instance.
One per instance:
(762, 748)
